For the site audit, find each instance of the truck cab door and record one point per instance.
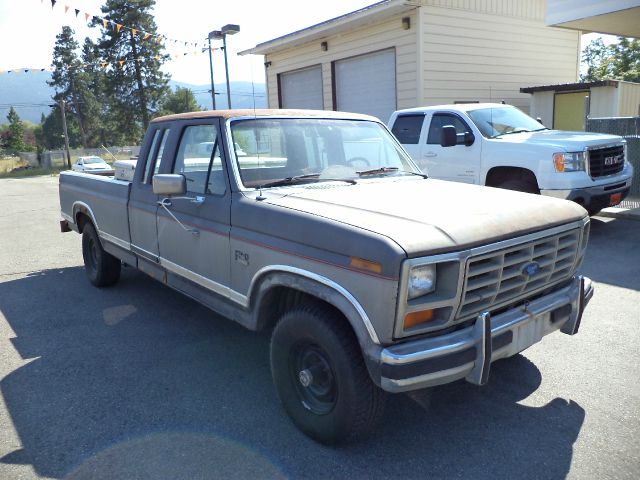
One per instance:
(459, 163)
(143, 204)
(193, 230)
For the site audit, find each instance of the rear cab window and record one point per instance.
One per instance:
(407, 128)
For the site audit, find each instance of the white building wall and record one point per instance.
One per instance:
(629, 99)
(386, 34)
(603, 102)
(482, 50)
(542, 106)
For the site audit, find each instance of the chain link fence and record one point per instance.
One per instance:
(629, 129)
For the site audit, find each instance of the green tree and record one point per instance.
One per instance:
(69, 79)
(620, 61)
(15, 139)
(51, 135)
(134, 84)
(180, 101)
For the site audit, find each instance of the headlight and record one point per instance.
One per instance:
(569, 162)
(422, 280)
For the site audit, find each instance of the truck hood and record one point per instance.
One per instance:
(432, 216)
(569, 141)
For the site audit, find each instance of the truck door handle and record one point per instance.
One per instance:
(429, 154)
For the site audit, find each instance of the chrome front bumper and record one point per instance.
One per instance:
(468, 353)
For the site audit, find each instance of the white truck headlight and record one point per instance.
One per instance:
(569, 161)
(422, 280)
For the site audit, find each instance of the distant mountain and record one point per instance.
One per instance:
(31, 96)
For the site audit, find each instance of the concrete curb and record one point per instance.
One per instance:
(626, 213)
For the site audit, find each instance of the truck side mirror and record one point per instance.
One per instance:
(448, 136)
(469, 138)
(167, 184)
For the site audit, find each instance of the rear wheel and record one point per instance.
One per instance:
(321, 378)
(102, 268)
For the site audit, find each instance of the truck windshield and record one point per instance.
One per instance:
(275, 151)
(494, 122)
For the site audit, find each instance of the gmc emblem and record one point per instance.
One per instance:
(614, 160)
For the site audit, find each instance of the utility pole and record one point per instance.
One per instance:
(64, 130)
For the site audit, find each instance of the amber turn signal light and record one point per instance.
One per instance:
(367, 265)
(416, 318)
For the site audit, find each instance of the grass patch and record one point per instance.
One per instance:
(32, 172)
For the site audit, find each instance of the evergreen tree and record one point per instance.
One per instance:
(134, 85)
(15, 140)
(180, 101)
(70, 80)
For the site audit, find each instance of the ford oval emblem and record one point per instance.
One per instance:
(530, 269)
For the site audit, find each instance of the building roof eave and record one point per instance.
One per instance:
(369, 14)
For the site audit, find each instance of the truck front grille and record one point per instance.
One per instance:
(499, 278)
(606, 161)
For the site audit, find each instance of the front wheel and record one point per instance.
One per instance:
(520, 185)
(320, 376)
(102, 268)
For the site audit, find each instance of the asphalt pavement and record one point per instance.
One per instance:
(137, 381)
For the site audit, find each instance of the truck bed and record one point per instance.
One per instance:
(104, 199)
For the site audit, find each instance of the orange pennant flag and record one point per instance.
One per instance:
(86, 16)
(66, 8)
(133, 32)
(103, 65)
(176, 55)
(17, 71)
(104, 22)
(121, 62)
(157, 57)
(34, 70)
(118, 27)
(146, 35)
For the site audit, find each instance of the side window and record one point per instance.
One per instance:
(155, 154)
(439, 120)
(198, 159)
(407, 129)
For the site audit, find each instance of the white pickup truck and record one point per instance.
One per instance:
(499, 146)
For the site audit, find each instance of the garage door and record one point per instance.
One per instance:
(301, 89)
(367, 84)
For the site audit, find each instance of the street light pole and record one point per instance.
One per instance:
(226, 68)
(213, 91)
(221, 34)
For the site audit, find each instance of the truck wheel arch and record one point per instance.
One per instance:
(82, 214)
(497, 176)
(279, 288)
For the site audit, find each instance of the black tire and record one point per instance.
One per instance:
(102, 268)
(520, 185)
(340, 403)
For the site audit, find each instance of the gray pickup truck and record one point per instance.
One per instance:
(318, 226)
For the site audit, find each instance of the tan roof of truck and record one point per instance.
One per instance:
(264, 112)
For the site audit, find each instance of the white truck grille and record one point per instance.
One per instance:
(496, 279)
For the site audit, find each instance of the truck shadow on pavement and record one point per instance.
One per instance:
(609, 258)
(138, 381)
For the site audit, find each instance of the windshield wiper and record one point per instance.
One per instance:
(540, 129)
(377, 171)
(517, 130)
(298, 179)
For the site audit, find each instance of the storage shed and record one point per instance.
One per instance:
(566, 106)
(399, 54)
